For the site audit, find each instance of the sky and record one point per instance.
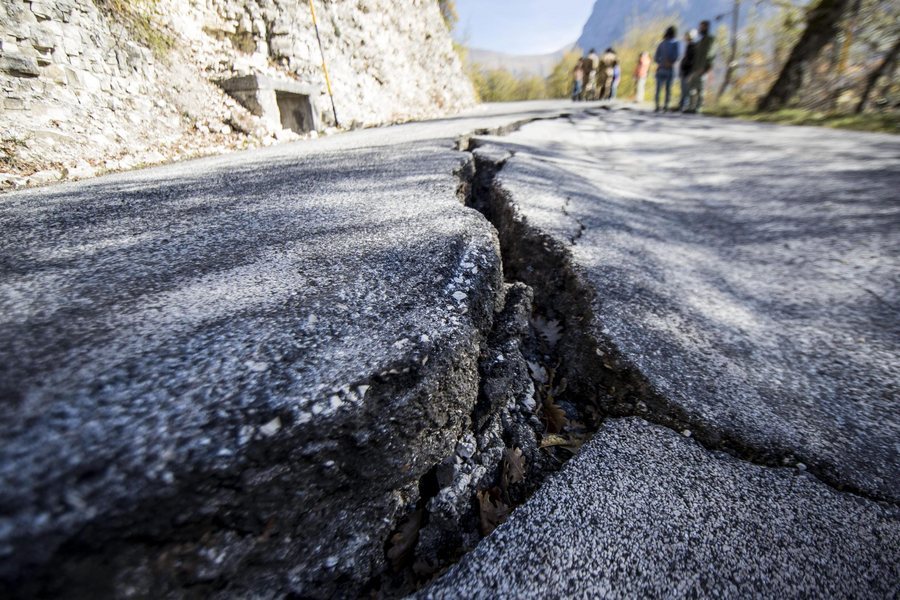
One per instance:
(521, 26)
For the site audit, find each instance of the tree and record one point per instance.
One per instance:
(560, 81)
(643, 35)
(733, 53)
(823, 23)
(448, 11)
(886, 67)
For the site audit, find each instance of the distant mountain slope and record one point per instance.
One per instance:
(532, 64)
(611, 19)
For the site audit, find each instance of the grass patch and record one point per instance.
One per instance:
(884, 122)
(137, 17)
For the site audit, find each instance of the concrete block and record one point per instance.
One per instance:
(282, 103)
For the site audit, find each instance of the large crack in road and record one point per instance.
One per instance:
(398, 396)
(598, 383)
(603, 382)
(598, 373)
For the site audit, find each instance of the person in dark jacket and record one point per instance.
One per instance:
(687, 63)
(667, 54)
(704, 55)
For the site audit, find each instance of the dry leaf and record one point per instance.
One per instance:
(571, 442)
(513, 467)
(561, 387)
(538, 372)
(553, 439)
(554, 416)
(492, 509)
(549, 331)
(404, 540)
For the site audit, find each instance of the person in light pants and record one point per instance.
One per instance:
(640, 75)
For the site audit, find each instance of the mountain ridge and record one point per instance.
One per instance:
(519, 64)
(609, 21)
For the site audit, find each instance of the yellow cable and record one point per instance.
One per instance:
(312, 10)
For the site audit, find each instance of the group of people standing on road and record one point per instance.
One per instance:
(597, 76)
(692, 64)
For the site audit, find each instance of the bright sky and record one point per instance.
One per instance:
(521, 26)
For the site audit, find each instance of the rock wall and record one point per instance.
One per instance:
(90, 85)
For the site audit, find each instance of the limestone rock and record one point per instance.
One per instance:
(45, 176)
(19, 65)
(389, 61)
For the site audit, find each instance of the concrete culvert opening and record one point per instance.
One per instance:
(296, 111)
(285, 103)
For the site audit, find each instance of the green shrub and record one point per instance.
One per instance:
(137, 17)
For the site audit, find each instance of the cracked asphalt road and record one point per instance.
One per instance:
(206, 351)
(167, 331)
(750, 274)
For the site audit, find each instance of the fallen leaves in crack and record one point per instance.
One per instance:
(493, 509)
(571, 442)
(552, 414)
(493, 503)
(549, 330)
(403, 541)
(513, 467)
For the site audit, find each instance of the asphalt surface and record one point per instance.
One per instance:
(229, 375)
(643, 512)
(748, 274)
(253, 355)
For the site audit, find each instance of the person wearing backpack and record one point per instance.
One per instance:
(605, 74)
(667, 54)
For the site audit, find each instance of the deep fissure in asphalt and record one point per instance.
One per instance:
(585, 377)
(600, 379)
(527, 413)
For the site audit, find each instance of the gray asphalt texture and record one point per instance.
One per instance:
(229, 375)
(749, 272)
(643, 512)
(261, 351)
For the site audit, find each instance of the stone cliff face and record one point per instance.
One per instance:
(107, 84)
